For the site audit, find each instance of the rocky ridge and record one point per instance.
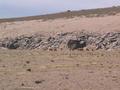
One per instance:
(61, 41)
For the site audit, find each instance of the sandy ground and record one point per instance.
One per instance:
(94, 24)
(40, 70)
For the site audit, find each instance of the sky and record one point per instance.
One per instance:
(20, 8)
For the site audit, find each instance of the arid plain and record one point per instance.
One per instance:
(61, 69)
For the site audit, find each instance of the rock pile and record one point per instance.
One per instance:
(71, 40)
(108, 41)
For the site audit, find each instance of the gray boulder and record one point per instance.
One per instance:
(75, 44)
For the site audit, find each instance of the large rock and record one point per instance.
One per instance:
(75, 44)
(9, 43)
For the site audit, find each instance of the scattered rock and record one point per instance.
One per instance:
(52, 61)
(77, 65)
(3, 66)
(29, 70)
(71, 40)
(22, 84)
(39, 81)
(27, 62)
(66, 77)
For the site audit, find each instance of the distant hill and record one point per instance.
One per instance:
(69, 14)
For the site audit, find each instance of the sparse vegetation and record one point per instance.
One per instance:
(69, 14)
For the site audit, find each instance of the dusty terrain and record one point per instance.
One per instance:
(62, 69)
(40, 70)
(94, 24)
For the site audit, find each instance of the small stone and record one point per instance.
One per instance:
(77, 65)
(39, 81)
(22, 84)
(52, 61)
(27, 62)
(3, 66)
(29, 70)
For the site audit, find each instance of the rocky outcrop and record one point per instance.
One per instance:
(71, 40)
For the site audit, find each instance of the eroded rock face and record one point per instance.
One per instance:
(70, 40)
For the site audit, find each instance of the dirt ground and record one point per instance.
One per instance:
(92, 24)
(59, 70)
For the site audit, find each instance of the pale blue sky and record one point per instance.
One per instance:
(18, 8)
